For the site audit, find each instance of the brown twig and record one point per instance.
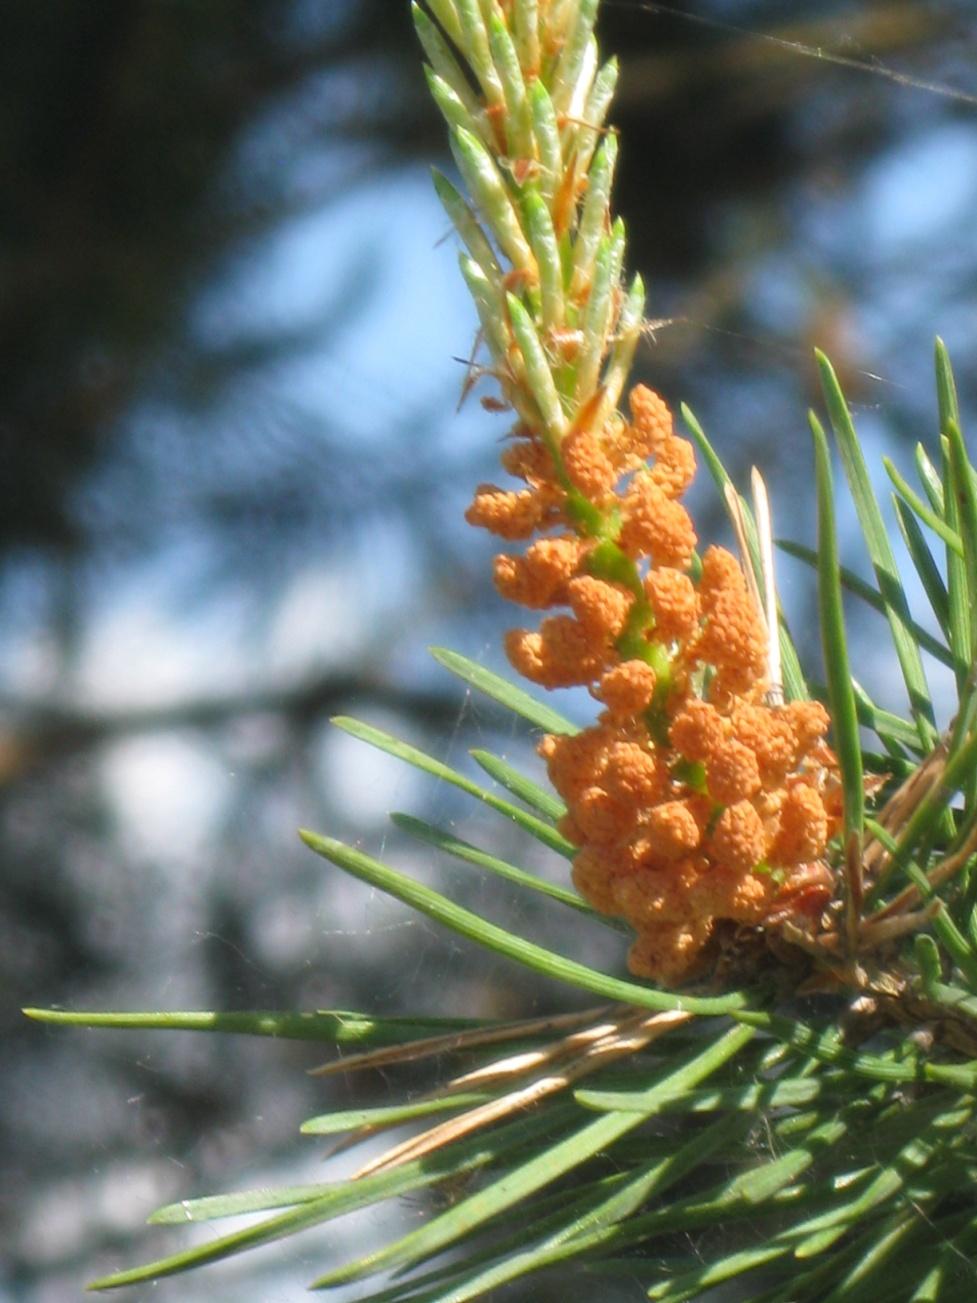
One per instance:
(609, 1041)
(456, 1042)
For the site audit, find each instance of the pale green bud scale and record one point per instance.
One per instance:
(538, 374)
(488, 189)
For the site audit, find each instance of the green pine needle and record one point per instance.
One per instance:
(844, 712)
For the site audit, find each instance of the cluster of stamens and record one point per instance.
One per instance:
(695, 798)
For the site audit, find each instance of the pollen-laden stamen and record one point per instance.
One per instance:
(692, 800)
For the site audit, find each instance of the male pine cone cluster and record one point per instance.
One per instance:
(691, 800)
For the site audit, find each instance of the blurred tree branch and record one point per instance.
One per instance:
(43, 734)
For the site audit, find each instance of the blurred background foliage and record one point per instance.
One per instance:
(234, 474)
